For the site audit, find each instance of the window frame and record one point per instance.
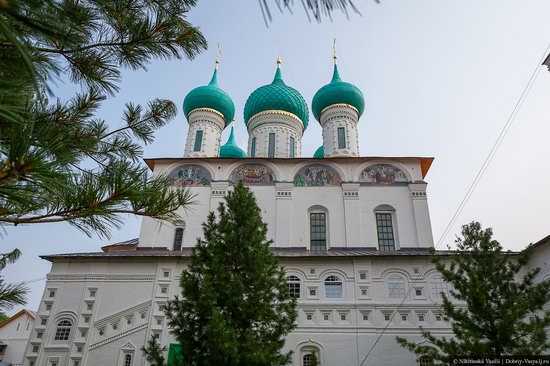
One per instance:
(341, 137)
(294, 286)
(317, 247)
(253, 147)
(271, 145)
(63, 331)
(177, 237)
(392, 218)
(437, 282)
(396, 280)
(292, 147)
(330, 283)
(197, 144)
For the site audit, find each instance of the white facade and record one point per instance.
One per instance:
(14, 336)
(350, 203)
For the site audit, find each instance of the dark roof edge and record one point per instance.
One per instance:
(280, 252)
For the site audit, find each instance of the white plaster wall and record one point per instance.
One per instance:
(411, 219)
(131, 286)
(16, 335)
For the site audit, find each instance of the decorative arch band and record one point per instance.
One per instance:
(383, 174)
(253, 174)
(317, 175)
(190, 175)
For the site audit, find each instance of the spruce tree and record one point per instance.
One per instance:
(235, 308)
(154, 352)
(500, 310)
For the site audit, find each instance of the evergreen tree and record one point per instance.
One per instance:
(154, 352)
(502, 312)
(235, 308)
(10, 294)
(58, 161)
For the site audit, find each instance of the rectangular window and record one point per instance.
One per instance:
(253, 148)
(178, 238)
(198, 141)
(271, 146)
(292, 147)
(384, 227)
(318, 231)
(341, 138)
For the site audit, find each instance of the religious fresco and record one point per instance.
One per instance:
(251, 174)
(190, 175)
(383, 174)
(317, 176)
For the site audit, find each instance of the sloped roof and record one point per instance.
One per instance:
(32, 314)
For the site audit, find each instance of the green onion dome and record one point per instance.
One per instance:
(231, 149)
(320, 152)
(210, 96)
(276, 96)
(337, 92)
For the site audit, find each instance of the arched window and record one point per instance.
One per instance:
(318, 231)
(439, 285)
(385, 215)
(293, 284)
(308, 358)
(396, 287)
(333, 287)
(425, 361)
(63, 330)
(178, 238)
(128, 360)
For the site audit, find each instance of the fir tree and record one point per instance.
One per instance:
(154, 352)
(58, 160)
(502, 308)
(235, 308)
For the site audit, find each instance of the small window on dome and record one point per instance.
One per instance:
(198, 141)
(292, 147)
(341, 138)
(271, 146)
(253, 148)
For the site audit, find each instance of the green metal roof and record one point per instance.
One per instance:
(320, 152)
(336, 92)
(231, 149)
(210, 96)
(276, 96)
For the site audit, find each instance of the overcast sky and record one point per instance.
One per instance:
(440, 79)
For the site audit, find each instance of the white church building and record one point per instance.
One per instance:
(353, 233)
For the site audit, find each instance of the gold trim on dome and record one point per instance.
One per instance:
(338, 105)
(275, 111)
(203, 109)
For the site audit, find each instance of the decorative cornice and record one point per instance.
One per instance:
(339, 105)
(136, 308)
(118, 336)
(275, 111)
(207, 110)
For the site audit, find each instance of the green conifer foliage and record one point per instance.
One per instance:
(500, 309)
(154, 352)
(58, 160)
(235, 308)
